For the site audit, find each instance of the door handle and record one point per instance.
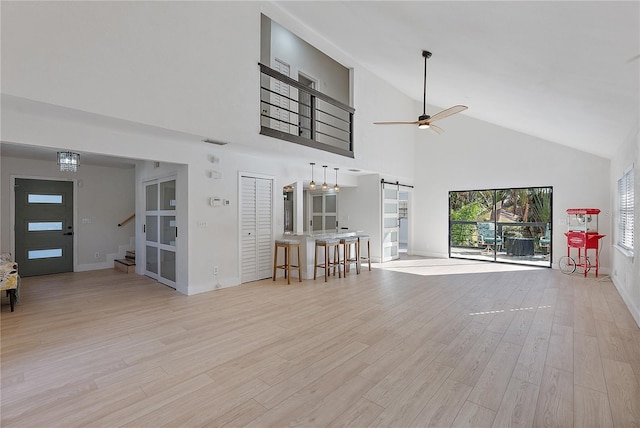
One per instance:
(68, 233)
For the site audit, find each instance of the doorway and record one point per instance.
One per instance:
(43, 226)
(511, 225)
(305, 107)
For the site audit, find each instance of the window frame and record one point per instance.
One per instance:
(626, 210)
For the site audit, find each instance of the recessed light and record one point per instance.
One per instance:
(353, 170)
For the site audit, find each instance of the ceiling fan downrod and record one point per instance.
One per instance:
(426, 55)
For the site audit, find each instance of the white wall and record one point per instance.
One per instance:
(475, 155)
(332, 78)
(86, 65)
(625, 270)
(104, 197)
(192, 67)
(360, 210)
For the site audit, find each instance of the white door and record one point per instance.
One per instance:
(280, 99)
(390, 222)
(324, 211)
(256, 228)
(160, 230)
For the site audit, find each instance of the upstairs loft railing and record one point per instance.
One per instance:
(294, 112)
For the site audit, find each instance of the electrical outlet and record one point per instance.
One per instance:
(215, 270)
(96, 255)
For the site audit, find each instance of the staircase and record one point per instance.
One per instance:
(128, 264)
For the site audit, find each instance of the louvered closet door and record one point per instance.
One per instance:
(280, 99)
(256, 228)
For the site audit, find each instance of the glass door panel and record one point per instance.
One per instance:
(330, 222)
(151, 228)
(168, 195)
(168, 265)
(152, 259)
(152, 197)
(168, 230)
(504, 225)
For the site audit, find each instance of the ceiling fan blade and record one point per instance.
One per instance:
(436, 129)
(448, 112)
(415, 122)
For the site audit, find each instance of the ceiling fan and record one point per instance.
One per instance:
(424, 120)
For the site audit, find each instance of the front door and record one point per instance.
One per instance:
(44, 226)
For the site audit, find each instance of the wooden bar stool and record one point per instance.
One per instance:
(349, 243)
(327, 264)
(288, 245)
(360, 256)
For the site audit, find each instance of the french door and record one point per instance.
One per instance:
(160, 230)
(256, 228)
(390, 222)
(44, 226)
(324, 211)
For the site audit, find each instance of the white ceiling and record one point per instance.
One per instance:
(567, 71)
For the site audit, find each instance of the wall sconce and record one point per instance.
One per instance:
(336, 188)
(68, 161)
(325, 186)
(312, 184)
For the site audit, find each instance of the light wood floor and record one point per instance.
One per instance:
(383, 348)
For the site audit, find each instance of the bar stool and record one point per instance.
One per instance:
(348, 243)
(288, 245)
(327, 244)
(360, 256)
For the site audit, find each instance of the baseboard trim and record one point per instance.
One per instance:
(635, 311)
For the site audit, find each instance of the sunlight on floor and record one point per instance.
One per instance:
(432, 266)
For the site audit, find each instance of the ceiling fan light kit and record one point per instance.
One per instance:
(424, 120)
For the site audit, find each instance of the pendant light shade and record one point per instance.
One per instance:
(312, 184)
(325, 186)
(336, 188)
(68, 161)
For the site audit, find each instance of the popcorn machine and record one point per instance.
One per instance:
(582, 235)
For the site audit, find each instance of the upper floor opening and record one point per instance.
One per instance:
(304, 94)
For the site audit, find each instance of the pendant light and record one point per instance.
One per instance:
(312, 184)
(336, 188)
(325, 186)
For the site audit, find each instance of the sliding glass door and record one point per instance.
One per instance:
(503, 225)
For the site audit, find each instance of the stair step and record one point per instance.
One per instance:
(130, 255)
(125, 265)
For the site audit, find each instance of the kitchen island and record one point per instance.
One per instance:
(308, 245)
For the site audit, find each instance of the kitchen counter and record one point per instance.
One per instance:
(308, 245)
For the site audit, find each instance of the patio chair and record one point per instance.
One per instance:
(487, 236)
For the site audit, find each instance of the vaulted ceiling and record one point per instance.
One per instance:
(565, 71)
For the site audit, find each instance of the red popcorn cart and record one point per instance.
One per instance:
(582, 235)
